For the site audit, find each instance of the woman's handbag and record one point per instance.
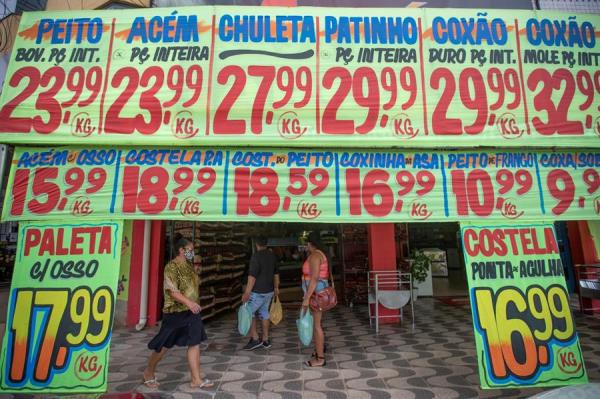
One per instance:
(244, 319)
(325, 299)
(276, 311)
(305, 327)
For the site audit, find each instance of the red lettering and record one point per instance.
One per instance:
(511, 233)
(76, 240)
(500, 244)
(105, 245)
(47, 244)
(468, 236)
(32, 239)
(486, 242)
(92, 231)
(60, 248)
(525, 235)
(550, 238)
(83, 364)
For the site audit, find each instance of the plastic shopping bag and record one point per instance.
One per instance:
(305, 327)
(244, 319)
(276, 311)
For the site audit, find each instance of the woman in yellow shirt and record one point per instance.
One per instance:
(182, 323)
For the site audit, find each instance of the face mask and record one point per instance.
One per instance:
(189, 255)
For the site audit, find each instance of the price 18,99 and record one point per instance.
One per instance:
(152, 189)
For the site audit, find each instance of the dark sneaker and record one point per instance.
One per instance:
(266, 344)
(253, 344)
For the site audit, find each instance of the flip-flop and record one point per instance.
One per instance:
(152, 383)
(310, 364)
(206, 383)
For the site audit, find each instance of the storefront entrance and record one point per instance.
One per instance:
(223, 250)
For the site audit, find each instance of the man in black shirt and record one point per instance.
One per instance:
(263, 282)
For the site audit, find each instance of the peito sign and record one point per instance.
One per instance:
(304, 77)
(524, 329)
(61, 307)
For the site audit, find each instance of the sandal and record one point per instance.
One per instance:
(206, 383)
(314, 354)
(152, 383)
(310, 364)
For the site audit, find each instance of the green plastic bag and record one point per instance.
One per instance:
(305, 327)
(244, 319)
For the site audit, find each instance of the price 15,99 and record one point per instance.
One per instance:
(46, 190)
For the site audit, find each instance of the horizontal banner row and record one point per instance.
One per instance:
(291, 185)
(308, 76)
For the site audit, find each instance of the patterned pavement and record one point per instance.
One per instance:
(436, 359)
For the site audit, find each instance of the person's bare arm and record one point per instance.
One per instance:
(276, 284)
(249, 287)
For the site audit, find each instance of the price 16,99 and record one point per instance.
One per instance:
(518, 341)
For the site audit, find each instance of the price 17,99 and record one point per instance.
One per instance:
(66, 320)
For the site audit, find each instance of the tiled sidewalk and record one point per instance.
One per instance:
(435, 360)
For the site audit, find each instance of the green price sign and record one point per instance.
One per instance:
(524, 330)
(61, 308)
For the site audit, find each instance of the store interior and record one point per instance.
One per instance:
(223, 251)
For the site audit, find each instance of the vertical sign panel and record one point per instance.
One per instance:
(524, 330)
(61, 307)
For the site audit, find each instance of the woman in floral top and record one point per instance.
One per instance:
(182, 323)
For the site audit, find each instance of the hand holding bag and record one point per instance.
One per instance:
(325, 299)
(244, 319)
(276, 311)
(305, 327)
